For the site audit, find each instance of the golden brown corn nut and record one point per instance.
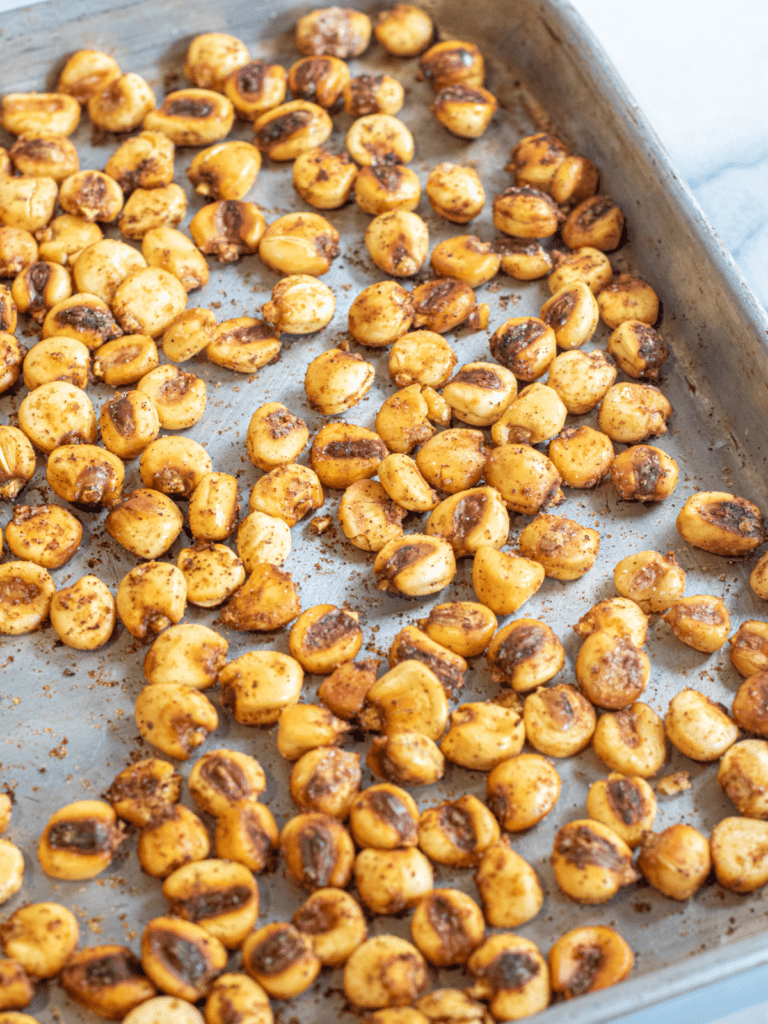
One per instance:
(179, 398)
(27, 202)
(566, 549)
(47, 535)
(737, 846)
(255, 87)
(675, 861)
(87, 72)
(384, 188)
(304, 727)
(12, 355)
(509, 887)
(56, 414)
(262, 538)
(244, 344)
(511, 975)
(385, 971)
(372, 94)
(521, 791)
(742, 776)
(457, 832)
(299, 243)
(447, 927)
(145, 161)
(749, 704)
(211, 57)
(324, 637)
(318, 79)
(151, 597)
(464, 627)
(404, 484)
(172, 717)
(535, 160)
(469, 520)
(628, 298)
(149, 209)
(228, 229)
(122, 105)
(525, 654)
(576, 179)
(611, 671)
(236, 993)
(379, 139)
(247, 834)
(287, 492)
(698, 727)
(84, 317)
(26, 591)
(39, 287)
(266, 601)
(8, 311)
(415, 566)
(483, 734)
(102, 267)
(165, 1008)
(258, 685)
(504, 582)
(596, 222)
(214, 507)
(525, 259)
(384, 817)
(343, 453)
(701, 622)
(582, 456)
(300, 304)
(171, 839)
(318, 851)
(406, 758)
(336, 31)
(644, 473)
(586, 264)
(41, 937)
(275, 436)
(453, 460)
(186, 975)
(409, 698)
(749, 645)
(225, 171)
(45, 155)
(144, 522)
(144, 790)
(79, 840)
(589, 959)
(322, 179)
(57, 359)
(625, 804)
(190, 651)
(651, 580)
(17, 461)
(192, 117)
(25, 112)
(631, 741)
(85, 474)
(344, 691)
(524, 345)
(18, 249)
(559, 721)
(455, 192)
(465, 110)
(286, 131)
(404, 30)
(452, 63)
(170, 250)
(619, 614)
(16, 989)
(188, 334)
(398, 242)
(526, 479)
(572, 313)
(390, 881)
(92, 195)
(591, 863)
(721, 523)
(212, 573)
(411, 644)
(125, 360)
(148, 301)
(443, 304)
(334, 923)
(535, 415)
(480, 393)
(525, 212)
(220, 896)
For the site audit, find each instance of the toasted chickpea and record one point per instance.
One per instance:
(511, 975)
(455, 192)
(92, 195)
(582, 456)
(749, 645)
(385, 971)
(322, 179)
(525, 212)
(526, 479)
(611, 671)
(465, 110)
(12, 863)
(591, 863)
(18, 249)
(628, 298)
(99, 270)
(79, 840)
(39, 287)
(724, 525)
(379, 139)
(255, 87)
(589, 959)
(406, 758)
(122, 105)
(651, 580)
(16, 989)
(631, 741)
(596, 222)
(190, 651)
(625, 804)
(211, 57)
(368, 517)
(45, 155)
(12, 355)
(698, 727)
(559, 721)
(56, 414)
(632, 412)
(287, 492)
(587, 265)
(145, 790)
(457, 832)
(174, 718)
(87, 72)
(231, 994)
(398, 242)
(504, 582)
(447, 927)
(27, 203)
(287, 131)
(415, 566)
(737, 846)
(521, 791)
(638, 349)
(150, 598)
(619, 614)
(41, 937)
(189, 977)
(22, 113)
(384, 817)
(675, 861)
(47, 535)
(743, 777)
(170, 840)
(701, 622)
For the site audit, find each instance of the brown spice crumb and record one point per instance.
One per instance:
(673, 784)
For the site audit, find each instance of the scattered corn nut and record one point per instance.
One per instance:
(638, 349)
(122, 105)
(452, 62)
(525, 654)
(192, 117)
(619, 614)
(255, 87)
(190, 651)
(379, 139)
(170, 840)
(591, 863)
(698, 727)
(589, 959)
(92, 195)
(398, 242)
(509, 887)
(87, 72)
(144, 522)
(469, 520)
(465, 110)
(402, 421)
(287, 131)
(79, 840)
(27, 203)
(47, 535)
(101, 267)
(625, 804)
(211, 57)
(299, 243)
(151, 597)
(566, 549)
(368, 517)
(511, 975)
(318, 851)
(482, 734)
(406, 758)
(626, 299)
(25, 112)
(651, 580)
(385, 971)
(611, 671)
(41, 937)
(300, 304)
(324, 637)
(322, 179)
(453, 460)
(675, 861)
(588, 265)
(526, 479)
(287, 492)
(147, 210)
(228, 229)
(18, 249)
(145, 161)
(373, 94)
(736, 846)
(189, 977)
(125, 360)
(55, 414)
(631, 741)
(415, 566)
(582, 456)
(390, 881)
(442, 304)
(504, 582)
(84, 317)
(244, 344)
(39, 287)
(57, 359)
(455, 192)
(572, 313)
(721, 523)
(596, 222)
(266, 601)
(335, 924)
(383, 188)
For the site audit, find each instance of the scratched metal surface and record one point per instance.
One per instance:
(67, 717)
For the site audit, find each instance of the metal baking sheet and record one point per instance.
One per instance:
(67, 717)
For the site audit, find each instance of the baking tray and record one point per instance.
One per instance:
(67, 722)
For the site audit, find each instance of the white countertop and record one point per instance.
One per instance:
(698, 71)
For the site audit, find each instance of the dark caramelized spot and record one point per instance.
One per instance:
(317, 853)
(460, 94)
(247, 334)
(180, 956)
(122, 414)
(514, 340)
(589, 961)
(559, 707)
(86, 318)
(448, 672)
(625, 800)
(599, 207)
(406, 555)
(467, 514)
(518, 247)
(558, 313)
(282, 127)
(188, 106)
(281, 423)
(358, 448)
(435, 295)
(479, 377)
(326, 246)
(521, 644)
(364, 89)
(389, 176)
(737, 516)
(458, 827)
(313, 919)
(393, 812)
(445, 62)
(93, 190)
(15, 591)
(584, 848)
(112, 969)
(277, 952)
(226, 777)
(306, 76)
(92, 482)
(647, 466)
(650, 348)
(229, 217)
(86, 836)
(38, 276)
(333, 627)
(512, 970)
(249, 79)
(212, 904)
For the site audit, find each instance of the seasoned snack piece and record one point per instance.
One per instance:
(41, 937)
(586, 264)
(326, 780)
(92, 195)
(145, 161)
(148, 301)
(675, 861)
(390, 881)
(22, 113)
(344, 691)
(384, 188)
(526, 479)
(588, 959)
(628, 299)
(259, 684)
(465, 110)
(322, 179)
(84, 474)
(404, 31)
(447, 927)
(281, 959)
(12, 356)
(415, 566)
(336, 31)
(582, 456)
(483, 734)
(26, 592)
(525, 212)
(287, 131)
(566, 549)
(398, 242)
(343, 453)
(189, 975)
(525, 259)
(83, 317)
(122, 105)
(406, 758)
(409, 698)
(247, 833)
(630, 413)
(18, 461)
(300, 304)
(56, 414)
(631, 741)
(318, 851)
(174, 718)
(743, 776)
(596, 222)
(18, 249)
(171, 839)
(57, 359)
(758, 578)
(318, 79)
(625, 804)
(511, 975)
(535, 160)
(525, 654)
(190, 651)
(299, 243)
(737, 846)
(228, 229)
(504, 582)
(255, 87)
(572, 313)
(411, 644)
(192, 117)
(79, 840)
(287, 492)
(525, 345)
(453, 460)
(16, 989)
(385, 971)
(521, 791)
(26, 204)
(98, 270)
(445, 303)
(211, 57)
(149, 209)
(220, 896)
(480, 393)
(87, 72)
(244, 344)
(455, 192)
(591, 863)
(452, 63)
(12, 863)
(334, 924)
(644, 473)
(651, 580)
(230, 995)
(701, 622)
(384, 817)
(380, 139)
(165, 1010)
(464, 627)
(125, 360)
(144, 522)
(559, 721)
(749, 645)
(324, 637)
(749, 704)
(611, 671)
(721, 523)
(144, 790)
(304, 727)
(150, 598)
(39, 287)
(581, 379)
(638, 349)
(107, 980)
(373, 94)
(457, 832)
(509, 887)
(47, 535)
